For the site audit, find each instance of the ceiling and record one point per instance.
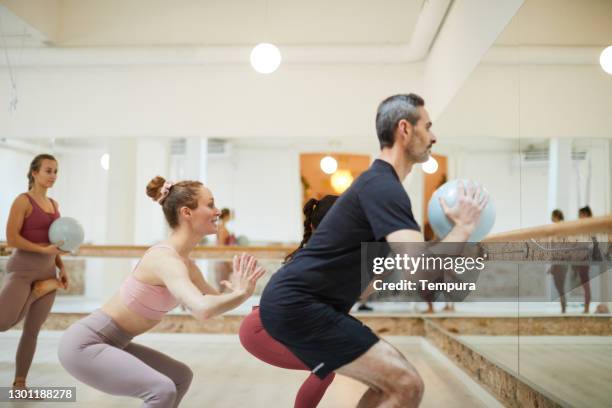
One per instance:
(317, 23)
(119, 23)
(15, 33)
(116, 23)
(560, 22)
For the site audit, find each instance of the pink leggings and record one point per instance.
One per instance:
(259, 343)
(96, 351)
(17, 301)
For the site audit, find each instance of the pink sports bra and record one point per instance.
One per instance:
(150, 301)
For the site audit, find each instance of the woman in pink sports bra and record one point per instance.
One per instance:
(30, 283)
(98, 350)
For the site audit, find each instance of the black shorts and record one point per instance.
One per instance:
(319, 335)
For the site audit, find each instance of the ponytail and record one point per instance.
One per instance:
(309, 209)
(314, 211)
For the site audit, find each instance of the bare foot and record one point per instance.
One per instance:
(42, 287)
(20, 385)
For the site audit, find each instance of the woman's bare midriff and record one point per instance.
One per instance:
(130, 322)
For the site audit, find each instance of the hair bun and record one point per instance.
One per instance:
(154, 187)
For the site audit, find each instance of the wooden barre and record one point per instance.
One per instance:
(201, 252)
(595, 225)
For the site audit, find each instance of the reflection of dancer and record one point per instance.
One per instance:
(30, 284)
(256, 340)
(559, 271)
(98, 350)
(223, 269)
(583, 270)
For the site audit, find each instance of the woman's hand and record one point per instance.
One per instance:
(245, 276)
(53, 249)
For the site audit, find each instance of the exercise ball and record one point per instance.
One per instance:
(68, 232)
(440, 223)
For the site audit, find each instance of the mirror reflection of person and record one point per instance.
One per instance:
(223, 269)
(559, 271)
(583, 270)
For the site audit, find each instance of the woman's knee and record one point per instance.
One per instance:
(186, 376)
(329, 378)
(6, 323)
(163, 393)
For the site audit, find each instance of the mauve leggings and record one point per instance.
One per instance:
(256, 340)
(17, 301)
(99, 353)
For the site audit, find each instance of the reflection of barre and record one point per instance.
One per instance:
(574, 248)
(593, 225)
(533, 252)
(524, 251)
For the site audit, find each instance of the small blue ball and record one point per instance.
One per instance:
(440, 223)
(67, 231)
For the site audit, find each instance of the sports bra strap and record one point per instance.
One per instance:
(155, 247)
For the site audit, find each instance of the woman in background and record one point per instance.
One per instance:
(30, 284)
(583, 270)
(260, 344)
(559, 271)
(223, 269)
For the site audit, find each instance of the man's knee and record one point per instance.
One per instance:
(408, 386)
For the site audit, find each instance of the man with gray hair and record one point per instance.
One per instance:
(306, 304)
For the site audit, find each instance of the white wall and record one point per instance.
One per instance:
(530, 101)
(81, 190)
(152, 158)
(521, 192)
(14, 166)
(262, 186)
(415, 185)
(332, 101)
(212, 101)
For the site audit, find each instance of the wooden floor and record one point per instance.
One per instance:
(575, 369)
(227, 376)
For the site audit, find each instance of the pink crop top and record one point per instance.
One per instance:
(35, 227)
(150, 301)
